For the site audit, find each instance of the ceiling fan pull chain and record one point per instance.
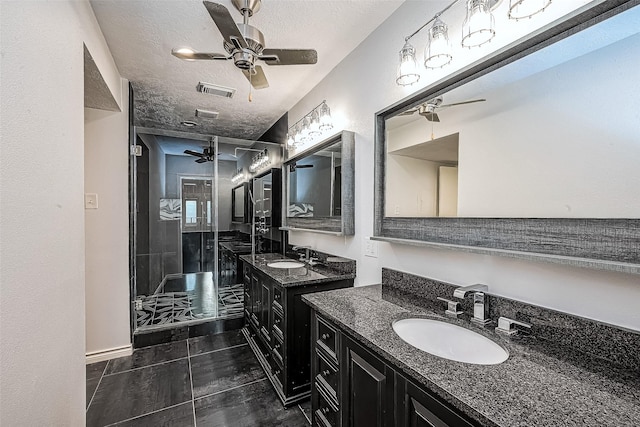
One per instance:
(251, 70)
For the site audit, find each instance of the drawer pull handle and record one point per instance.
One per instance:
(325, 373)
(325, 410)
(325, 336)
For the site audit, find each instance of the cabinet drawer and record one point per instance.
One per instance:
(328, 413)
(278, 321)
(277, 295)
(327, 374)
(278, 351)
(277, 308)
(326, 339)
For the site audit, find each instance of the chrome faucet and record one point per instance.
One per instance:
(306, 248)
(480, 308)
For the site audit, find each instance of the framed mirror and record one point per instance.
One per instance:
(240, 203)
(319, 187)
(532, 153)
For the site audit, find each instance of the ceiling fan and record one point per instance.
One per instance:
(207, 155)
(428, 109)
(245, 44)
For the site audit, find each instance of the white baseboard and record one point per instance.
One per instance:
(112, 353)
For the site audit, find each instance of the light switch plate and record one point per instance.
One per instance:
(370, 248)
(91, 201)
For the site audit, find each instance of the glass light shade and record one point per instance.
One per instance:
(290, 140)
(297, 135)
(520, 9)
(306, 124)
(325, 118)
(479, 25)
(314, 124)
(438, 51)
(408, 68)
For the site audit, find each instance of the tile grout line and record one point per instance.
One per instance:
(304, 414)
(230, 388)
(146, 366)
(146, 414)
(193, 400)
(99, 381)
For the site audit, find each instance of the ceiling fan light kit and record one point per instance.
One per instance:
(311, 126)
(245, 44)
(478, 28)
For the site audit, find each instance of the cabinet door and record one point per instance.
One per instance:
(418, 408)
(367, 382)
(266, 288)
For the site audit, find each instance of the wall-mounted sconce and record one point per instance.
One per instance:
(311, 126)
(239, 176)
(478, 28)
(260, 160)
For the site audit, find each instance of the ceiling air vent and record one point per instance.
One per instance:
(206, 114)
(212, 89)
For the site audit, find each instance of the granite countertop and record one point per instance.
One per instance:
(540, 384)
(237, 246)
(306, 275)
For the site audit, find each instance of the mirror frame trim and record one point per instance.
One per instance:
(608, 244)
(343, 226)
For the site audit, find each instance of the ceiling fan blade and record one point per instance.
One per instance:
(408, 112)
(190, 55)
(462, 103)
(432, 117)
(201, 160)
(193, 153)
(289, 56)
(224, 22)
(258, 80)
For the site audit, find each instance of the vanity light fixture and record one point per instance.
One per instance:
(479, 25)
(408, 68)
(520, 9)
(478, 28)
(311, 126)
(239, 176)
(438, 51)
(260, 160)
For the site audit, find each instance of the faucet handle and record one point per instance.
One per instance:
(452, 307)
(507, 326)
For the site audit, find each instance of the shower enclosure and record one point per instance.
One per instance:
(184, 231)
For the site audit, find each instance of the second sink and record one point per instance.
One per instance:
(285, 264)
(450, 341)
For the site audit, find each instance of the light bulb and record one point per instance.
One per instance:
(520, 9)
(438, 51)
(325, 117)
(407, 69)
(314, 124)
(479, 26)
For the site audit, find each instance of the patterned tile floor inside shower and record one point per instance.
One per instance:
(192, 297)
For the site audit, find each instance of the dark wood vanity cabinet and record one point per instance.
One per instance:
(277, 325)
(352, 387)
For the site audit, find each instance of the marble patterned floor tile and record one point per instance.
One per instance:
(148, 356)
(176, 416)
(207, 343)
(220, 370)
(253, 405)
(129, 394)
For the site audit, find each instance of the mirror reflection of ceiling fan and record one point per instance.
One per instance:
(245, 44)
(207, 155)
(429, 109)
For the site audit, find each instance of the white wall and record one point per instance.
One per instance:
(107, 228)
(363, 84)
(42, 308)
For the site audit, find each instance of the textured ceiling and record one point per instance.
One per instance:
(141, 34)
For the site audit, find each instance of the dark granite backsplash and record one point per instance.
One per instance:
(613, 344)
(334, 263)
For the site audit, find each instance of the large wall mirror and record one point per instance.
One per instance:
(534, 152)
(319, 187)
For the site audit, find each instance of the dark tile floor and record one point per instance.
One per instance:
(213, 381)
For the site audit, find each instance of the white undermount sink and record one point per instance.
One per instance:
(450, 341)
(285, 264)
